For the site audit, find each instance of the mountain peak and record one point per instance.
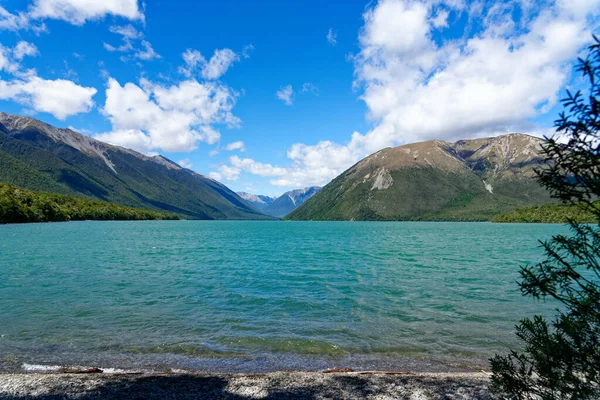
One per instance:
(467, 180)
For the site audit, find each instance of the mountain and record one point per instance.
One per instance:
(259, 202)
(40, 157)
(289, 201)
(469, 180)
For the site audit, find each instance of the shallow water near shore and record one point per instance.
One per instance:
(261, 296)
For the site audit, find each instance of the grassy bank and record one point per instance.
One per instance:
(20, 205)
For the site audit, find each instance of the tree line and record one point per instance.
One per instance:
(19, 205)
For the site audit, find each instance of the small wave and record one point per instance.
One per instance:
(40, 368)
(59, 368)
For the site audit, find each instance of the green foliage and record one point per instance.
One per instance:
(19, 205)
(561, 357)
(418, 194)
(550, 214)
(29, 158)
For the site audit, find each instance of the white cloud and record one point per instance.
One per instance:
(418, 89)
(219, 63)
(286, 94)
(236, 146)
(247, 50)
(331, 37)
(77, 12)
(212, 69)
(127, 31)
(129, 138)
(193, 59)
(309, 87)
(148, 53)
(227, 172)
(130, 35)
(23, 49)
(18, 21)
(125, 47)
(61, 98)
(215, 175)
(310, 166)
(185, 163)
(441, 19)
(10, 59)
(171, 118)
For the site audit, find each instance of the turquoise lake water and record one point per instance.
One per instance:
(255, 296)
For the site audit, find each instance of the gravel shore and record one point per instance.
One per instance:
(277, 385)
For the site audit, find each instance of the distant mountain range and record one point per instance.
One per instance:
(38, 156)
(280, 206)
(259, 202)
(468, 180)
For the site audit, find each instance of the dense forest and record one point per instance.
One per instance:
(19, 205)
(549, 214)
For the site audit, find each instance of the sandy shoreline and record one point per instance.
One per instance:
(275, 385)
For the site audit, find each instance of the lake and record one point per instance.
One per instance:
(259, 296)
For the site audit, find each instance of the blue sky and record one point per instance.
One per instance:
(268, 96)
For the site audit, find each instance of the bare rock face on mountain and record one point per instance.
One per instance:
(38, 156)
(259, 202)
(435, 180)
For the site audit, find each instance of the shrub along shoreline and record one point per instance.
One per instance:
(549, 214)
(19, 205)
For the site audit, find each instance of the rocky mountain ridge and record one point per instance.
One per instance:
(466, 180)
(38, 156)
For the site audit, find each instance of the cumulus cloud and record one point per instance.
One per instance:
(227, 172)
(61, 98)
(286, 94)
(174, 118)
(417, 88)
(239, 145)
(331, 37)
(77, 12)
(212, 69)
(129, 138)
(310, 166)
